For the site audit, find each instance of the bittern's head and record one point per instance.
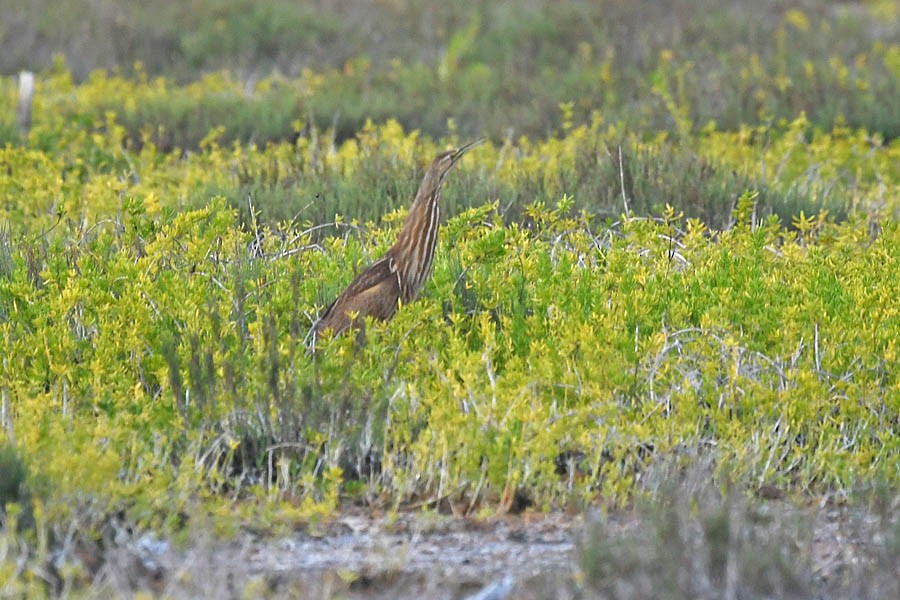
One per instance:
(445, 160)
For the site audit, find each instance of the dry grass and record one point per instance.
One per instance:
(693, 539)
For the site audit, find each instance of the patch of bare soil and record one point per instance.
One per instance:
(429, 557)
(356, 556)
(529, 556)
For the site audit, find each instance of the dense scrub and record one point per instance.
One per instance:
(634, 286)
(153, 349)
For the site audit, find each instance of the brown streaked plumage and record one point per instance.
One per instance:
(399, 275)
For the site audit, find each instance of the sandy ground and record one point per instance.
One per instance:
(427, 556)
(523, 557)
(356, 556)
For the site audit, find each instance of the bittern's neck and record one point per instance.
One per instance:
(413, 253)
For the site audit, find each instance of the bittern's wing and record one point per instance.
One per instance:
(375, 292)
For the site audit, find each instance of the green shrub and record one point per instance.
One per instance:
(13, 477)
(154, 311)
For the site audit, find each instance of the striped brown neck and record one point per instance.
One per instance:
(413, 253)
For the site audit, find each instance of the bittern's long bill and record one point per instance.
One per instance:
(399, 275)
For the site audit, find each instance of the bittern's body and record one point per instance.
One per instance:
(399, 275)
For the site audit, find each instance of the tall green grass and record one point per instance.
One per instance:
(494, 68)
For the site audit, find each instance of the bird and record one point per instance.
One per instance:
(399, 275)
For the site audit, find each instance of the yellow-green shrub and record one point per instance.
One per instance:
(153, 332)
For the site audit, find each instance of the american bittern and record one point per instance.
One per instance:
(399, 275)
